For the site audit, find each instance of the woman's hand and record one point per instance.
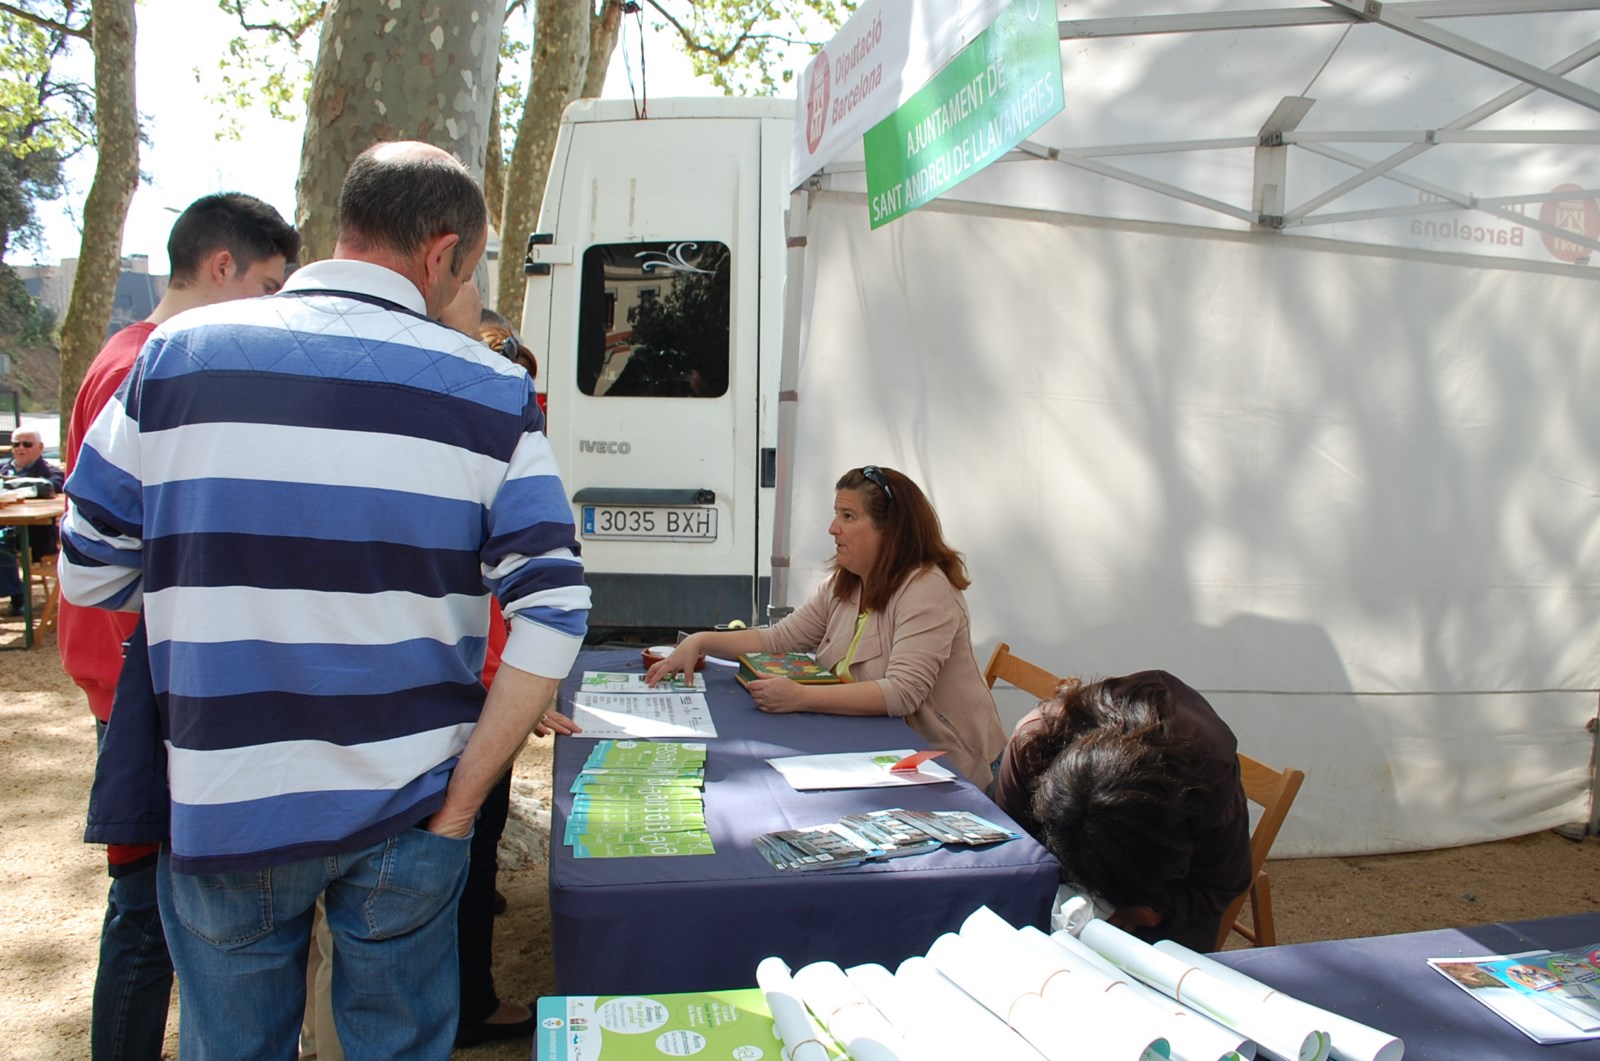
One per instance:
(682, 661)
(1131, 918)
(778, 696)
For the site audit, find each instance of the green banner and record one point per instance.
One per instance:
(987, 100)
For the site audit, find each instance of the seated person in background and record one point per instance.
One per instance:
(27, 462)
(891, 621)
(499, 336)
(1133, 783)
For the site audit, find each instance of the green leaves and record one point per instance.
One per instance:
(268, 64)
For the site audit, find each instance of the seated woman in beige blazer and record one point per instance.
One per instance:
(890, 620)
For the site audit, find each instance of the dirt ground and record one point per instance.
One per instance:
(52, 885)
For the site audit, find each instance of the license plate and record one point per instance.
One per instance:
(650, 524)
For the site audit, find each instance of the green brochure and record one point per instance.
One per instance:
(715, 1024)
(662, 844)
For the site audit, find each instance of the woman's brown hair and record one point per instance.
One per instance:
(912, 537)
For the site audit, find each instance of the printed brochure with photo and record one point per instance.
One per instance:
(1550, 996)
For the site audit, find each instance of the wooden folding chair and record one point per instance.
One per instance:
(1029, 677)
(43, 574)
(1274, 791)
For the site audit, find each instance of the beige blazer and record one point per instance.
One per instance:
(919, 651)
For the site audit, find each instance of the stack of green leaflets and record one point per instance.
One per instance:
(636, 797)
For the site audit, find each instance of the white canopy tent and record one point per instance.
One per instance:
(1263, 363)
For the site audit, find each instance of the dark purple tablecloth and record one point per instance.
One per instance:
(701, 923)
(1385, 981)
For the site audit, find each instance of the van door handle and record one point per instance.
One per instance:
(624, 495)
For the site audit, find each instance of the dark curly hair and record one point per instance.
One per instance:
(1120, 795)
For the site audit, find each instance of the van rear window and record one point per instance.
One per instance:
(653, 321)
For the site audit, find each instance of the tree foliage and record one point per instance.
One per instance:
(46, 116)
(551, 52)
(749, 48)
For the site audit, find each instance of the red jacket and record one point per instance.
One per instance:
(90, 639)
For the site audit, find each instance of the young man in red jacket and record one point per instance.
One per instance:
(223, 247)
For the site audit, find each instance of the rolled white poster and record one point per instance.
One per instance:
(1192, 1035)
(1062, 1015)
(974, 1031)
(1278, 1033)
(925, 1029)
(802, 1039)
(850, 1018)
(1351, 1040)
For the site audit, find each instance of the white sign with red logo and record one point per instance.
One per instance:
(878, 59)
(1576, 213)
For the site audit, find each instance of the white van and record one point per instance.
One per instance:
(655, 309)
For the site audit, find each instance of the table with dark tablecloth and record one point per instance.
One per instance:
(1385, 981)
(693, 923)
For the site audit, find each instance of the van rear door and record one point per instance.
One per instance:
(651, 369)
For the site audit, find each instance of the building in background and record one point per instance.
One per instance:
(137, 290)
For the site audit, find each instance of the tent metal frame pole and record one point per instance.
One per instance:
(1160, 187)
(1337, 12)
(797, 224)
(1471, 118)
(1408, 18)
(1471, 50)
(1450, 195)
(1442, 136)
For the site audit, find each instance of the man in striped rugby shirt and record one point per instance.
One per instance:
(317, 628)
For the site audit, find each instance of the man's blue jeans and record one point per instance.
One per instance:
(239, 943)
(133, 984)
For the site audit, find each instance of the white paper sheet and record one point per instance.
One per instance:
(807, 773)
(852, 1020)
(1225, 1004)
(1352, 1040)
(802, 1039)
(607, 681)
(642, 715)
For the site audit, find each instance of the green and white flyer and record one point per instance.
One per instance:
(726, 1025)
(634, 799)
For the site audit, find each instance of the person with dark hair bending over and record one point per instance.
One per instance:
(1133, 783)
(891, 621)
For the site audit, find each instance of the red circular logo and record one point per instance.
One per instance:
(817, 102)
(1575, 214)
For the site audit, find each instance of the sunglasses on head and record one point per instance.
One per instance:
(874, 475)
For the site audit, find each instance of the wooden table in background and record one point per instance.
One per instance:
(36, 513)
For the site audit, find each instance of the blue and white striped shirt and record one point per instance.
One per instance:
(312, 495)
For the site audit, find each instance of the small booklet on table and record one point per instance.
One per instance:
(875, 835)
(1549, 996)
(799, 667)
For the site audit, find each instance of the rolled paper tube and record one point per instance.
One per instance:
(926, 1031)
(965, 967)
(1350, 1040)
(1192, 1035)
(975, 1031)
(795, 1026)
(1223, 1003)
(850, 1018)
(1063, 1015)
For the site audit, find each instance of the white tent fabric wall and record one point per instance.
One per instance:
(1348, 492)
